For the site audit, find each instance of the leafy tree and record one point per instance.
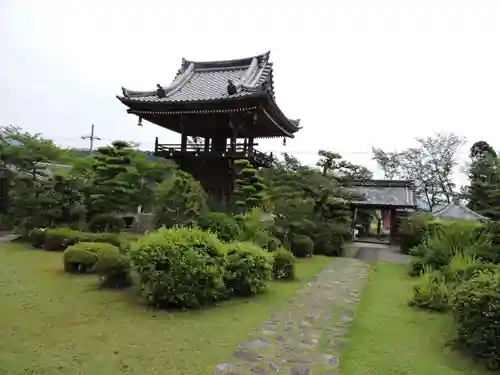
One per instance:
(332, 162)
(480, 149)
(307, 203)
(180, 200)
(430, 166)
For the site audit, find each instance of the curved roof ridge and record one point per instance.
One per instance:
(263, 57)
(163, 91)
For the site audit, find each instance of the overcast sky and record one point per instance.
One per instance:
(357, 73)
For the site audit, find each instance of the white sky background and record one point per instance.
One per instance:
(357, 73)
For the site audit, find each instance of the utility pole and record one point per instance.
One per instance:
(91, 137)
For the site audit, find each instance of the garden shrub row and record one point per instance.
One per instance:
(326, 238)
(189, 267)
(58, 239)
(457, 265)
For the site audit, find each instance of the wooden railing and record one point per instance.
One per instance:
(240, 150)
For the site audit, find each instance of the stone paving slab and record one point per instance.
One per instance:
(306, 335)
(379, 252)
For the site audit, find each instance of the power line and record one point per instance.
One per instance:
(91, 137)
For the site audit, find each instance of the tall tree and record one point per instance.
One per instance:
(484, 176)
(430, 166)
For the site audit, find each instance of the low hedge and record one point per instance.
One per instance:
(81, 257)
(58, 239)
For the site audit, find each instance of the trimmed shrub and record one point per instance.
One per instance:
(58, 239)
(180, 267)
(432, 293)
(106, 223)
(113, 268)
(81, 257)
(329, 239)
(225, 226)
(283, 265)
(302, 246)
(248, 268)
(475, 307)
(36, 237)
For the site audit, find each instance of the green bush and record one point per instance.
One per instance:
(459, 264)
(106, 223)
(264, 239)
(283, 265)
(416, 267)
(36, 237)
(81, 257)
(474, 270)
(432, 293)
(475, 306)
(225, 226)
(248, 268)
(113, 267)
(330, 239)
(413, 230)
(180, 267)
(441, 245)
(58, 239)
(301, 246)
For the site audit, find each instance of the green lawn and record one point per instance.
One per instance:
(55, 323)
(390, 338)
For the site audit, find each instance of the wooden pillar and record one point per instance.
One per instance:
(183, 142)
(156, 144)
(233, 136)
(392, 226)
(207, 144)
(353, 225)
(250, 145)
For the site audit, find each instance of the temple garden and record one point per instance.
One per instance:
(211, 257)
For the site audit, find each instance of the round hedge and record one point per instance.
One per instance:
(248, 268)
(302, 246)
(113, 267)
(180, 267)
(81, 257)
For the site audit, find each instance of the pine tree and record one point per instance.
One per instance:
(484, 176)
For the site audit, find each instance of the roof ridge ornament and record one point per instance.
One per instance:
(161, 92)
(231, 87)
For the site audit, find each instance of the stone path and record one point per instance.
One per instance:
(305, 336)
(371, 252)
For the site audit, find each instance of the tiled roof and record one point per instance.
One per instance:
(453, 211)
(396, 193)
(213, 80)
